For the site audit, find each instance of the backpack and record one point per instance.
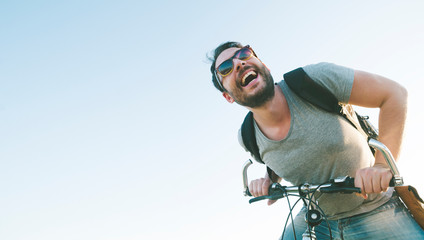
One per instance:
(301, 84)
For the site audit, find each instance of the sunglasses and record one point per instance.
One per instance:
(226, 67)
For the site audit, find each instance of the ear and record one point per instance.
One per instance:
(228, 97)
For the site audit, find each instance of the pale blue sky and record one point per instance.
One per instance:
(111, 129)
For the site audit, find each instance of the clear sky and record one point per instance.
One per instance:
(110, 127)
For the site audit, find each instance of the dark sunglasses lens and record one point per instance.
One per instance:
(244, 54)
(225, 67)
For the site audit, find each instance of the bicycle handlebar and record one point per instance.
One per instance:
(338, 185)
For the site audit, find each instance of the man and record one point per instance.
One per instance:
(302, 143)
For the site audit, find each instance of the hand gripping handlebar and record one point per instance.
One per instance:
(344, 184)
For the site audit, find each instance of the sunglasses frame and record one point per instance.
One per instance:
(232, 58)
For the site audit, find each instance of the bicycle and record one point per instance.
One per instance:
(305, 192)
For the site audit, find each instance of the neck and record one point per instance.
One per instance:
(273, 113)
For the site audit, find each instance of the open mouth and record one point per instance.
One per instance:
(248, 78)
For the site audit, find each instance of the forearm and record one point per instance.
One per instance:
(374, 91)
(391, 124)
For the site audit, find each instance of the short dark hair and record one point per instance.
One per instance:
(216, 53)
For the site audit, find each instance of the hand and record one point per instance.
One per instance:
(374, 179)
(259, 187)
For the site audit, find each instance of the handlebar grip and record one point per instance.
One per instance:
(351, 182)
(340, 190)
(392, 182)
(271, 191)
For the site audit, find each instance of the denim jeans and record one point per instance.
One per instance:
(389, 221)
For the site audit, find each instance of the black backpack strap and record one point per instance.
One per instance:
(300, 83)
(306, 88)
(249, 141)
(249, 138)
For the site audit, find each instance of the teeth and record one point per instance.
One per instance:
(243, 81)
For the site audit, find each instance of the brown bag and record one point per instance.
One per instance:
(413, 202)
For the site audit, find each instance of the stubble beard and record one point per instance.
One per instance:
(261, 97)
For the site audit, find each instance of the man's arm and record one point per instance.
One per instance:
(370, 90)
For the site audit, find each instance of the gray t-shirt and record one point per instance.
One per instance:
(320, 145)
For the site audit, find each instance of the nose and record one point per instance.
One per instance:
(238, 64)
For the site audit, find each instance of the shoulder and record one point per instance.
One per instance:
(338, 79)
(326, 70)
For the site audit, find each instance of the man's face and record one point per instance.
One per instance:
(250, 83)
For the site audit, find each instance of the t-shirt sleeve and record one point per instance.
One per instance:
(337, 79)
(240, 140)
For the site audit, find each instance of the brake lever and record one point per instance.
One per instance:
(275, 192)
(257, 199)
(274, 196)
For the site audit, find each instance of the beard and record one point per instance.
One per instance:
(260, 97)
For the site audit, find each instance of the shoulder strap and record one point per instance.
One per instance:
(300, 83)
(249, 138)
